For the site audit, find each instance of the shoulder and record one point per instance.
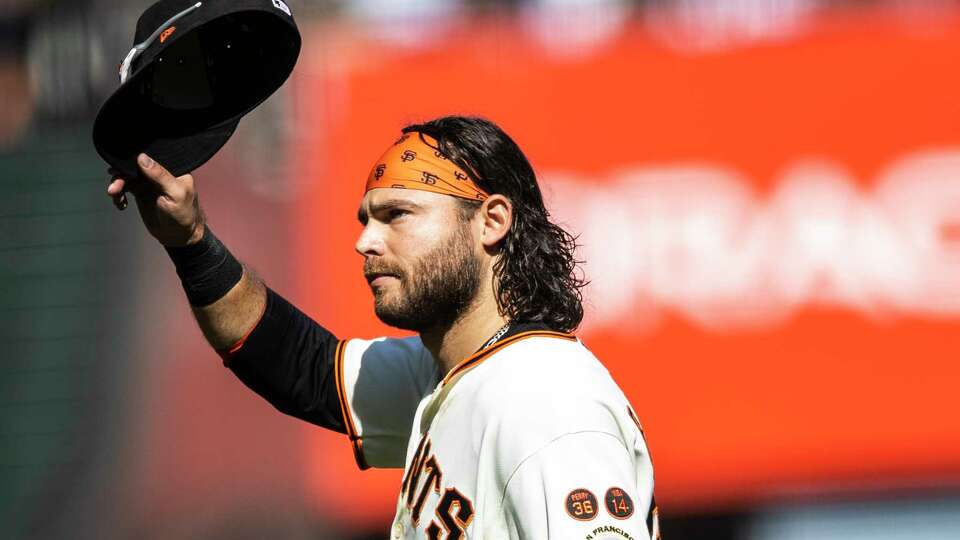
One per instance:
(545, 388)
(397, 359)
(546, 365)
(408, 351)
(541, 390)
(385, 346)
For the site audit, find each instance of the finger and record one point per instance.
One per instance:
(116, 186)
(157, 174)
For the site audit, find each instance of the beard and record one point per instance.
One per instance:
(436, 291)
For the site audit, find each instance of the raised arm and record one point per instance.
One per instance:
(273, 347)
(226, 300)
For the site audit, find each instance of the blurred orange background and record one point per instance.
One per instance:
(817, 392)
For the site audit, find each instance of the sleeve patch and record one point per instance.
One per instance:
(581, 505)
(618, 503)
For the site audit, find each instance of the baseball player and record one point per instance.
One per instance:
(506, 425)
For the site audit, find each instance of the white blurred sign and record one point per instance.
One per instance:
(695, 239)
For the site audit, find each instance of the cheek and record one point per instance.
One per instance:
(410, 241)
(402, 258)
(411, 245)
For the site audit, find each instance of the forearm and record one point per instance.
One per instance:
(227, 300)
(228, 320)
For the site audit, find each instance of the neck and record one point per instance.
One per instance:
(454, 342)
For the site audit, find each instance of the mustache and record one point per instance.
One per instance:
(373, 268)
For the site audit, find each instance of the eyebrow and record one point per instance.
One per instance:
(362, 215)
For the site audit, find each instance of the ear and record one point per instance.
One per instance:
(496, 214)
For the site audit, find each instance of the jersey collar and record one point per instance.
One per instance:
(516, 332)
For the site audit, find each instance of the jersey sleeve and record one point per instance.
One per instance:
(288, 359)
(582, 485)
(380, 383)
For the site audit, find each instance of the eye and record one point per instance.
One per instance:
(396, 213)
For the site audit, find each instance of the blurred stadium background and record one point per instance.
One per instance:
(768, 197)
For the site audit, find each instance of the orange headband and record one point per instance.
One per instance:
(414, 162)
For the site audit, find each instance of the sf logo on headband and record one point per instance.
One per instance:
(416, 162)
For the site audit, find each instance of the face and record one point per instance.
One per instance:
(421, 259)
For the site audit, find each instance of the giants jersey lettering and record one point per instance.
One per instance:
(529, 438)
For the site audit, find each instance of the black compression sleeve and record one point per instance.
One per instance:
(207, 269)
(289, 360)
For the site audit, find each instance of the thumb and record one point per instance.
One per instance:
(155, 173)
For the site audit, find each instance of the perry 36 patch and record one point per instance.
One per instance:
(618, 503)
(581, 504)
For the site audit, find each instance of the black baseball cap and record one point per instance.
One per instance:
(196, 68)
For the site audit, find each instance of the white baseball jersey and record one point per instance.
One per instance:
(528, 438)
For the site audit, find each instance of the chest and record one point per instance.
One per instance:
(443, 482)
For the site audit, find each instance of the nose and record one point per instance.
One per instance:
(370, 243)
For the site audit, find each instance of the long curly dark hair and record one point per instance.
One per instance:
(537, 275)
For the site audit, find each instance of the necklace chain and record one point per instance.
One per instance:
(496, 337)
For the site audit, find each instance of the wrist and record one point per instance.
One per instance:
(207, 269)
(196, 234)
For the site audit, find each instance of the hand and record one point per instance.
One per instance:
(169, 207)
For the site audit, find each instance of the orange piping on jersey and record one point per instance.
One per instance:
(226, 353)
(358, 454)
(341, 393)
(355, 440)
(481, 355)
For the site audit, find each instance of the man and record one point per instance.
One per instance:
(507, 426)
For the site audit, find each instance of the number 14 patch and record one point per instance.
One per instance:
(618, 503)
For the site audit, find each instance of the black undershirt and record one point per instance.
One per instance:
(288, 359)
